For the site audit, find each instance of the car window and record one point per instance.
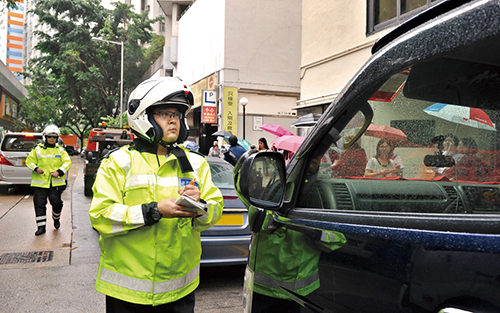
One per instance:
(222, 175)
(20, 142)
(432, 145)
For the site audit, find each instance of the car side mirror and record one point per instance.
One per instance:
(260, 180)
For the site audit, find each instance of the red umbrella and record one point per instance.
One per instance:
(383, 131)
(288, 142)
(275, 129)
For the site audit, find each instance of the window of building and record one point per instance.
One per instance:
(387, 13)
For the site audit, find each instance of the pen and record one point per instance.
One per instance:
(192, 182)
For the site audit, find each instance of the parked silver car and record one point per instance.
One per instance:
(14, 150)
(227, 242)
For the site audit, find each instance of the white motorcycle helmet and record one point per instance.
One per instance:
(50, 130)
(157, 91)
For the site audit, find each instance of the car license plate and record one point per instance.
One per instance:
(231, 220)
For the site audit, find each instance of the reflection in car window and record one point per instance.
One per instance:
(222, 175)
(417, 117)
(20, 142)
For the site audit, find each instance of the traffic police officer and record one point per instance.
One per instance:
(150, 246)
(49, 163)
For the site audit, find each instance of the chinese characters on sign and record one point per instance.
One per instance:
(230, 118)
(209, 115)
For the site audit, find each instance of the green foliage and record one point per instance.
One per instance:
(11, 4)
(77, 81)
(155, 50)
(114, 122)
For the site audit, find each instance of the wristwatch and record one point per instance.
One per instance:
(155, 214)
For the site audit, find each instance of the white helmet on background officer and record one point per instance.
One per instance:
(50, 130)
(158, 91)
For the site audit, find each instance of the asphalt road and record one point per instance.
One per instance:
(30, 282)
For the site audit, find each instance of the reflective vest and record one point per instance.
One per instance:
(155, 264)
(50, 160)
(288, 259)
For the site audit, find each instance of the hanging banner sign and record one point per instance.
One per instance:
(230, 111)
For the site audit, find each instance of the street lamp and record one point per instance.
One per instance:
(243, 103)
(121, 75)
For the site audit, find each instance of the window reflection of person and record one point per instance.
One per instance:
(352, 162)
(398, 162)
(450, 145)
(381, 164)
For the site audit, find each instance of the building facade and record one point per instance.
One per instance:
(12, 37)
(337, 37)
(229, 50)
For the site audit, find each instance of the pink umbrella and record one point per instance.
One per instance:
(275, 129)
(383, 131)
(288, 142)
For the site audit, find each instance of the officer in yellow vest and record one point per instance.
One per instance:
(150, 246)
(49, 163)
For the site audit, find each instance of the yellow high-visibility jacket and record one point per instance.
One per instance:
(48, 159)
(154, 264)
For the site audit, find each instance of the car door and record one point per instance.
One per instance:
(412, 190)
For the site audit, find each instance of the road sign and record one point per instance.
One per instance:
(209, 97)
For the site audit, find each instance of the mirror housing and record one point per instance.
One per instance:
(260, 180)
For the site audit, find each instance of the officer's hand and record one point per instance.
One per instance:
(54, 174)
(192, 191)
(39, 170)
(169, 209)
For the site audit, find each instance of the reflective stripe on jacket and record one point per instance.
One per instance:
(288, 259)
(48, 159)
(149, 264)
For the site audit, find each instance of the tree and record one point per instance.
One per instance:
(84, 75)
(11, 4)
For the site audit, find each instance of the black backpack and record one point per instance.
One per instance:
(230, 157)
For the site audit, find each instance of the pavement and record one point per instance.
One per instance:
(66, 283)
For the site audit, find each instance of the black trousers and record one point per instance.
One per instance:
(184, 305)
(40, 200)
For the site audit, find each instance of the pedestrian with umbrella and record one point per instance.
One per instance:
(234, 152)
(381, 164)
(215, 151)
(263, 145)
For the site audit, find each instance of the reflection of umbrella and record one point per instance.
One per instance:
(383, 131)
(307, 120)
(222, 133)
(191, 145)
(277, 130)
(288, 142)
(473, 117)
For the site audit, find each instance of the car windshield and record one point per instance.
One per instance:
(22, 143)
(222, 175)
(429, 133)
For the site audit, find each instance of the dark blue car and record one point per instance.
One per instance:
(392, 203)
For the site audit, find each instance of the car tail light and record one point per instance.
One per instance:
(4, 161)
(230, 198)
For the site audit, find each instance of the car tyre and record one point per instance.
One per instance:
(4, 190)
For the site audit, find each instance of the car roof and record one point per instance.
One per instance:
(22, 133)
(217, 160)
